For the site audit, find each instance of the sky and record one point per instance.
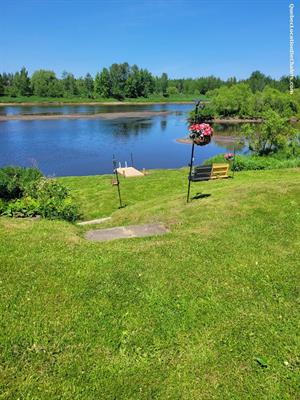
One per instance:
(184, 38)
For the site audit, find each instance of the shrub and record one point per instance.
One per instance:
(59, 209)
(15, 180)
(54, 200)
(2, 206)
(46, 188)
(24, 192)
(272, 135)
(25, 207)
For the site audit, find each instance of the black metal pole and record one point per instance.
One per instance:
(118, 182)
(190, 173)
(233, 160)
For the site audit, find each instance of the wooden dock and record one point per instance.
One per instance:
(129, 172)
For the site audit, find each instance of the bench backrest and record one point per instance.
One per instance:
(219, 171)
(201, 173)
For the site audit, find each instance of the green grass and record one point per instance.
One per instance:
(151, 99)
(254, 162)
(190, 315)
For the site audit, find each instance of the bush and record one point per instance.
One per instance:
(64, 209)
(247, 163)
(46, 188)
(25, 193)
(15, 180)
(26, 207)
(2, 206)
(54, 200)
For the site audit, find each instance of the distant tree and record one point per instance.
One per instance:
(1, 85)
(89, 84)
(45, 84)
(69, 84)
(85, 86)
(147, 83)
(232, 101)
(21, 85)
(133, 83)
(258, 81)
(119, 74)
(102, 85)
(231, 81)
(164, 84)
(7, 79)
(179, 85)
(172, 90)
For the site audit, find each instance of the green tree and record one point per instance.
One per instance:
(102, 86)
(7, 79)
(119, 74)
(45, 84)
(69, 84)
(273, 134)
(89, 84)
(164, 84)
(147, 84)
(1, 85)
(133, 83)
(258, 81)
(21, 85)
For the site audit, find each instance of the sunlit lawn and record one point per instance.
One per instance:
(208, 311)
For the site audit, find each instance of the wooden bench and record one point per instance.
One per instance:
(219, 171)
(208, 172)
(201, 173)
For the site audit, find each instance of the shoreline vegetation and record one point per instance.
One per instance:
(57, 101)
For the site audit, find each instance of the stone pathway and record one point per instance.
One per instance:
(125, 232)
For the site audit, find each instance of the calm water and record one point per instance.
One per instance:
(85, 147)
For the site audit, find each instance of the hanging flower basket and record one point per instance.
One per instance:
(229, 156)
(201, 134)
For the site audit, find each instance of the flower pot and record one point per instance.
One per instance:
(202, 141)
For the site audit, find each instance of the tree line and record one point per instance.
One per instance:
(121, 81)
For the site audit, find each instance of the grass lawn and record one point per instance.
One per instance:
(208, 311)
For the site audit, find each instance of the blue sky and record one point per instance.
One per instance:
(185, 38)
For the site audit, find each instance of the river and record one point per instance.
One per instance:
(64, 147)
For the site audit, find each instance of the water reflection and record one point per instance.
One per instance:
(131, 126)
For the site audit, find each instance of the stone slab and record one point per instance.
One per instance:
(94, 221)
(125, 232)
